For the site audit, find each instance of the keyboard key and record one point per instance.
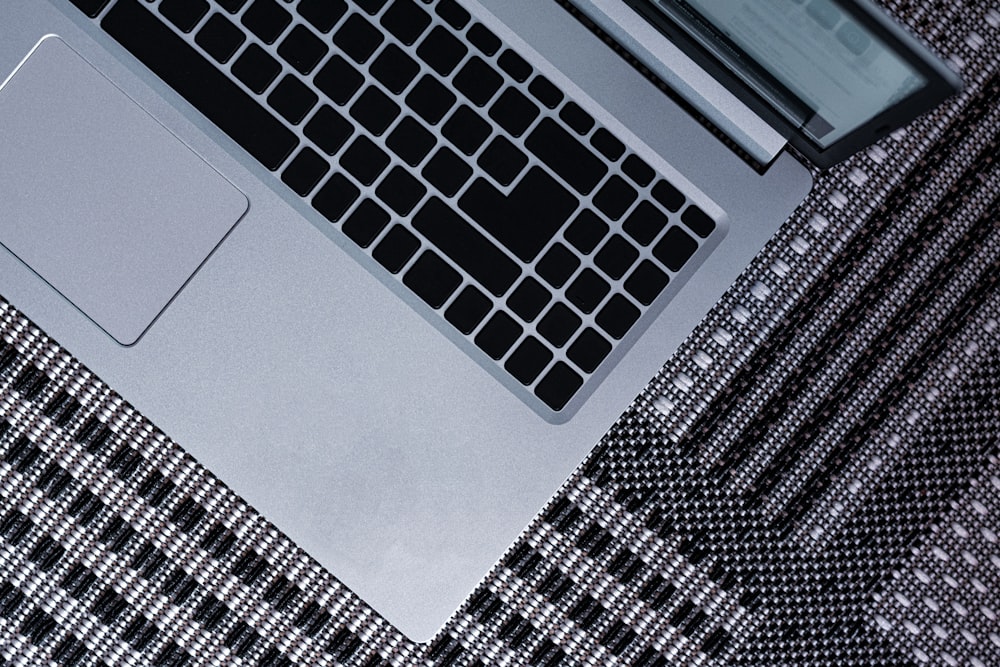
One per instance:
(615, 197)
(697, 221)
(468, 309)
(184, 14)
(668, 195)
(364, 160)
(559, 324)
(358, 38)
(466, 246)
(447, 171)
(441, 50)
(394, 68)
(374, 110)
(646, 282)
(528, 299)
(566, 156)
(365, 223)
(617, 316)
(196, 79)
(675, 248)
(405, 20)
(579, 120)
(410, 141)
(607, 144)
(498, 335)
(335, 197)
(432, 279)
(400, 190)
(328, 129)
(322, 14)
(515, 65)
(430, 99)
(219, 37)
(477, 81)
(502, 160)
(232, 6)
(513, 111)
(453, 14)
(616, 257)
(644, 223)
(292, 99)
(558, 386)
(305, 171)
(586, 231)
(338, 80)
(528, 360)
(588, 350)
(638, 171)
(256, 68)
(483, 39)
(545, 91)
(396, 248)
(302, 49)
(371, 6)
(266, 19)
(557, 265)
(90, 7)
(466, 129)
(527, 218)
(587, 290)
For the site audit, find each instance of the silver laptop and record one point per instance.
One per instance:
(390, 268)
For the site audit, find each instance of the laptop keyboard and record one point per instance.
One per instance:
(503, 205)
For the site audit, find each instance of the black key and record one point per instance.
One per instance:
(374, 110)
(200, 83)
(483, 39)
(364, 160)
(322, 14)
(358, 38)
(559, 324)
(502, 160)
(396, 248)
(338, 80)
(513, 111)
(587, 290)
(615, 197)
(432, 279)
(646, 282)
(305, 171)
(468, 309)
(365, 223)
(558, 386)
(232, 6)
(302, 49)
(644, 223)
(371, 6)
(328, 129)
(410, 141)
(668, 195)
(466, 129)
(405, 20)
(498, 335)
(616, 257)
(638, 171)
(90, 7)
(566, 156)
(607, 144)
(579, 120)
(525, 220)
(528, 299)
(675, 248)
(292, 99)
(617, 316)
(256, 68)
(466, 246)
(588, 350)
(514, 65)
(697, 221)
(447, 171)
(477, 81)
(441, 50)
(452, 13)
(586, 231)
(430, 99)
(394, 68)
(335, 197)
(184, 14)
(400, 190)
(266, 19)
(528, 360)
(219, 37)
(545, 91)
(557, 265)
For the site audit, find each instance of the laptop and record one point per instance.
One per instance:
(391, 268)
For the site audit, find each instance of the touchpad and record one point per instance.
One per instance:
(99, 198)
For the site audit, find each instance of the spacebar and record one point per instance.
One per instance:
(199, 82)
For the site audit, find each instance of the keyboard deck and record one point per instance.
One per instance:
(527, 226)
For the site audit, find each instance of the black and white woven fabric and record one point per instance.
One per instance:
(813, 479)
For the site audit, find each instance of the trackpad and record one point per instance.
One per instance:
(98, 198)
